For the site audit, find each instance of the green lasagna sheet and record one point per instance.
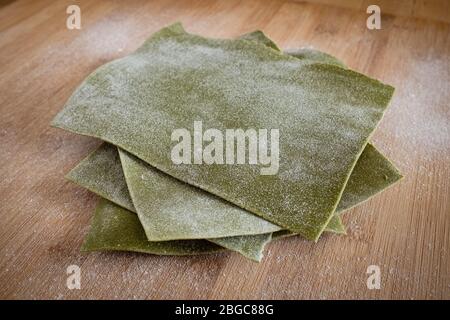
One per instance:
(115, 228)
(170, 209)
(325, 115)
(102, 173)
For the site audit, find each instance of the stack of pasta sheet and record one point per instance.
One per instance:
(171, 179)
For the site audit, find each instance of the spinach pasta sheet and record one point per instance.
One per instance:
(325, 115)
(115, 228)
(101, 172)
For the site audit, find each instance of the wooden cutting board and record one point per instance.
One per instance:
(405, 231)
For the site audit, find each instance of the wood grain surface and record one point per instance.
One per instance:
(405, 230)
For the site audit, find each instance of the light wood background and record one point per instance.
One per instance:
(405, 230)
